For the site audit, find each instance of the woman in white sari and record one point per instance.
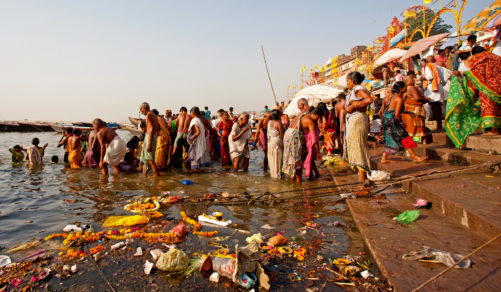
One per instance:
(356, 146)
(275, 144)
(197, 155)
(239, 143)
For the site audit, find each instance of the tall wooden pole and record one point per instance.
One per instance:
(269, 78)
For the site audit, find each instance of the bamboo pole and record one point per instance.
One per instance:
(456, 263)
(269, 78)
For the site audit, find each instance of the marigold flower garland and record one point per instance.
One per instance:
(196, 225)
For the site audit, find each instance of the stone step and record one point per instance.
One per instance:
(475, 142)
(389, 240)
(461, 197)
(482, 143)
(454, 156)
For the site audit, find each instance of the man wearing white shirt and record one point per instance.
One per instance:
(434, 89)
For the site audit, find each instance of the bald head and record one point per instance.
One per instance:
(98, 124)
(302, 104)
(430, 59)
(243, 119)
(144, 108)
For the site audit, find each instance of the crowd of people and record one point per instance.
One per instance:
(462, 87)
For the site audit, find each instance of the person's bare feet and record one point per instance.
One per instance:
(419, 159)
(386, 161)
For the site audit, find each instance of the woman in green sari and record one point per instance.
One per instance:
(475, 98)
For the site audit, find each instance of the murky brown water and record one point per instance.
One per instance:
(37, 203)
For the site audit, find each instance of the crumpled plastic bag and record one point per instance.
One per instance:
(115, 221)
(174, 260)
(379, 175)
(444, 257)
(277, 240)
(4, 260)
(256, 237)
(407, 217)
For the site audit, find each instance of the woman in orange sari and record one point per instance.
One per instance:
(74, 148)
(223, 131)
(162, 152)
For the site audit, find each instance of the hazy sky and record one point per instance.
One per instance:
(76, 60)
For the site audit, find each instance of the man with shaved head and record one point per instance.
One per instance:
(239, 143)
(113, 148)
(294, 142)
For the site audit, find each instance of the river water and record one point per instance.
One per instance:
(34, 204)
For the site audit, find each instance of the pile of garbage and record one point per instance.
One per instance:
(162, 246)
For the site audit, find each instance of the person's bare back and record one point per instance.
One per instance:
(105, 136)
(151, 123)
(183, 122)
(396, 105)
(92, 141)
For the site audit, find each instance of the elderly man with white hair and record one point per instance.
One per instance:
(239, 143)
(294, 143)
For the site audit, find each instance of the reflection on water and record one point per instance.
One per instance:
(37, 202)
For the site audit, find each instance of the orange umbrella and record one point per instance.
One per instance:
(422, 45)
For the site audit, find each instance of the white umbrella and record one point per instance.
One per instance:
(314, 95)
(342, 82)
(391, 55)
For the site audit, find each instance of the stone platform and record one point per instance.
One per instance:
(465, 214)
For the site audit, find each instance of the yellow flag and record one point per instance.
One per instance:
(288, 86)
(427, 1)
(316, 67)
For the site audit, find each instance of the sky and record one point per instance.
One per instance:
(78, 60)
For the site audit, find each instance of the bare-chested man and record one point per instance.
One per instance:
(261, 137)
(150, 139)
(113, 148)
(93, 153)
(169, 118)
(294, 142)
(182, 124)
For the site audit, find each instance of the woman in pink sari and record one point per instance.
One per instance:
(223, 131)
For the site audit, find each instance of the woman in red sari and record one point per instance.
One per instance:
(484, 79)
(223, 131)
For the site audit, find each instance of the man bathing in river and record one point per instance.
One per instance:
(93, 153)
(150, 139)
(182, 124)
(294, 142)
(261, 137)
(113, 148)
